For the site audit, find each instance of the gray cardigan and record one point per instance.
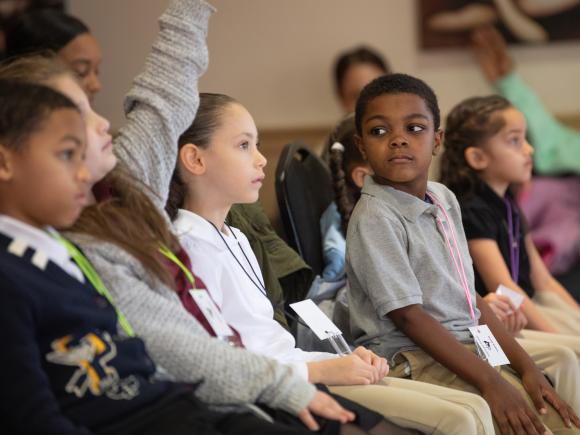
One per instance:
(160, 106)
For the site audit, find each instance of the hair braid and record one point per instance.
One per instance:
(341, 162)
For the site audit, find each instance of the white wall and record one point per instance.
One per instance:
(275, 56)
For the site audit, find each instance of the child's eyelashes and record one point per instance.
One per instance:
(82, 73)
(246, 145)
(416, 128)
(381, 131)
(67, 155)
(378, 131)
(515, 141)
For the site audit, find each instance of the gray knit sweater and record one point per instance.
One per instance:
(160, 106)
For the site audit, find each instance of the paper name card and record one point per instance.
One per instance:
(488, 346)
(212, 313)
(316, 320)
(515, 297)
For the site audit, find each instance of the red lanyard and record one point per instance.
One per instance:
(455, 252)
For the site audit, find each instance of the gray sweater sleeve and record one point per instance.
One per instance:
(164, 97)
(180, 345)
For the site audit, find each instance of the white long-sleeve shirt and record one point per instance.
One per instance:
(242, 302)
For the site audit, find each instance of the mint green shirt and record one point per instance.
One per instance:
(557, 147)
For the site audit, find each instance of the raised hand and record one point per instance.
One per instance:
(491, 52)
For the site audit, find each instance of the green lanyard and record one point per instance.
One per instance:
(171, 256)
(91, 274)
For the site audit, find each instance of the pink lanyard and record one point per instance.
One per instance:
(458, 264)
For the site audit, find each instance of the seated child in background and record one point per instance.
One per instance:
(410, 280)
(67, 368)
(557, 361)
(486, 153)
(219, 165)
(556, 153)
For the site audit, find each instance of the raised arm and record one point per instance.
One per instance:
(164, 97)
(557, 147)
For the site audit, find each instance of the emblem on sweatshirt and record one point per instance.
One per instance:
(91, 354)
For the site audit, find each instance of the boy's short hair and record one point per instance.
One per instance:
(23, 108)
(396, 84)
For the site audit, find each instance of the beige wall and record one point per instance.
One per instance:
(275, 56)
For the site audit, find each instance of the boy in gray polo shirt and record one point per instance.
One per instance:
(410, 277)
(411, 271)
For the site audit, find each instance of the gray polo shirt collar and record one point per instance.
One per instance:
(408, 205)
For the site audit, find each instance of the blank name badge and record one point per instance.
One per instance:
(212, 313)
(316, 320)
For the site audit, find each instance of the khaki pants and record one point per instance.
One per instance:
(558, 356)
(563, 316)
(420, 366)
(428, 408)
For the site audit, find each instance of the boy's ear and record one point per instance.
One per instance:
(476, 158)
(358, 173)
(359, 144)
(6, 168)
(438, 142)
(191, 159)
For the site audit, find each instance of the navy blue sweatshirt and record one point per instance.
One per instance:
(64, 368)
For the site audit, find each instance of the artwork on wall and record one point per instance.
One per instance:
(448, 23)
(10, 8)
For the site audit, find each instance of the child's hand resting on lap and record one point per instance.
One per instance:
(362, 367)
(502, 306)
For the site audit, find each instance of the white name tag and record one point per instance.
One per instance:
(514, 296)
(316, 320)
(488, 346)
(211, 313)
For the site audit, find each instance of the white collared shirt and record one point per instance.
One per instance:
(47, 248)
(242, 304)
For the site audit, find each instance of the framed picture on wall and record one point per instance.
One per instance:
(448, 23)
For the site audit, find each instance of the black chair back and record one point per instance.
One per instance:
(304, 191)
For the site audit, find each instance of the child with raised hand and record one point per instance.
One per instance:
(486, 153)
(410, 280)
(219, 165)
(122, 230)
(68, 370)
(557, 147)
